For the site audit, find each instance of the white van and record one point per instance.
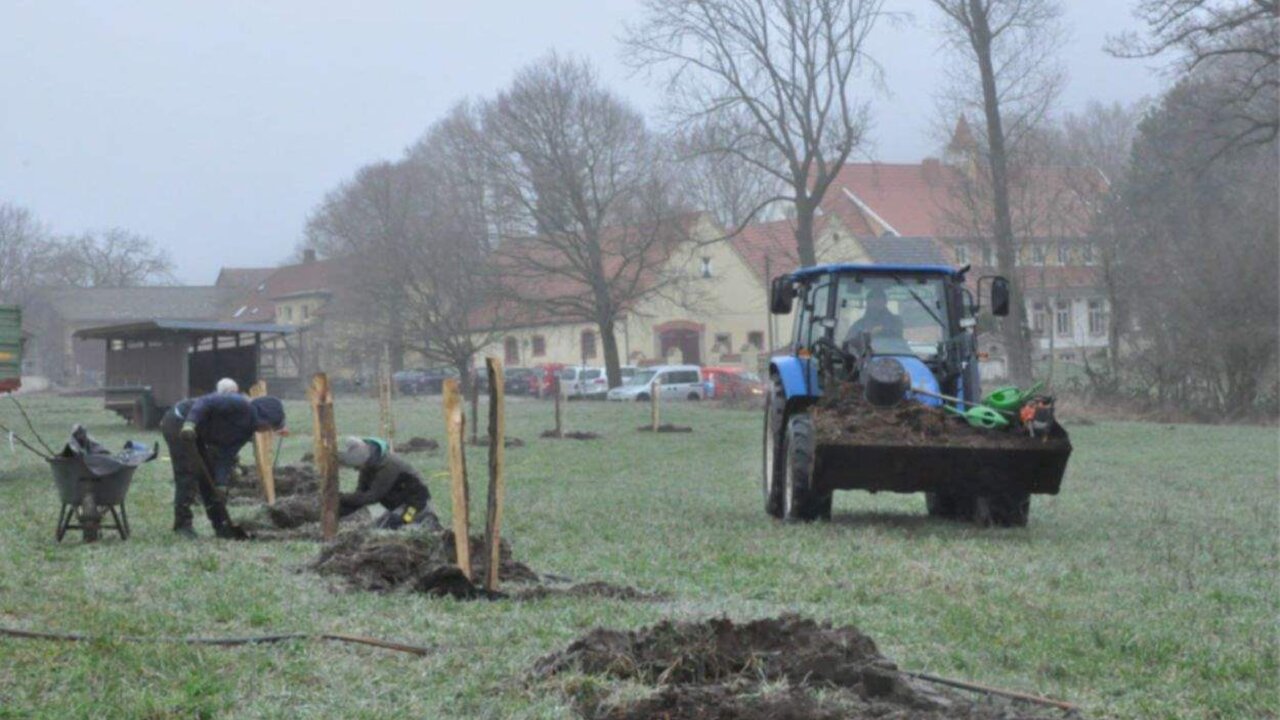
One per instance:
(677, 382)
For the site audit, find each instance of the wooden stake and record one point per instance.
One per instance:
(385, 385)
(475, 409)
(497, 462)
(263, 449)
(453, 423)
(555, 387)
(655, 388)
(325, 436)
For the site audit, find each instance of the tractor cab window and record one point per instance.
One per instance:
(904, 315)
(812, 312)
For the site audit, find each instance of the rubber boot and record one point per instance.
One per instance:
(222, 526)
(182, 522)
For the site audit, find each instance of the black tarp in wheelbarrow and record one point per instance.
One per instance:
(91, 479)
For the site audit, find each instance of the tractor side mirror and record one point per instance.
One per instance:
(999, 296)
(782, 293)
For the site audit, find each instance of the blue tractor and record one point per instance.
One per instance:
(901, 334)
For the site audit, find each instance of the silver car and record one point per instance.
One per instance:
(676, 382)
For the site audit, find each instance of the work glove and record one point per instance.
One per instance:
(188, 431)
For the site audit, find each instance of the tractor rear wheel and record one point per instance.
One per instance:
(1007, 510)
(775, 415)
(799, 500)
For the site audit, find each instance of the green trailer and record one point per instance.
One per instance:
(10, 348)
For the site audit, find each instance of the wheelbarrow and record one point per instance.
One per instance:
(93, 483)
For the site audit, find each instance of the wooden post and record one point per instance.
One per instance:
(263, 450)
(497, 461)
(453, 423)
(475, 409)
(555, 387)
(655, 388)
(385, 385)
(325, 436)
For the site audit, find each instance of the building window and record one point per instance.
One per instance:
(588, 344)
(988, 255)
(755, 339)
(539, 346)
(1038, 318)
(706, 267)
(1064, 254)
(306, 312)
(511, 351)
(1087, 256)
(1098, 319)
(962, 254)
(1038, 254)
(723, 343)
(1062, 319)
(288, 313)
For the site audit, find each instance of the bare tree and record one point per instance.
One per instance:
(1240, 36)
(112, 258)
(1008, 51)
(1200, 250)
(775, 76)
(584, 204)
(733, 190)
(26, 253)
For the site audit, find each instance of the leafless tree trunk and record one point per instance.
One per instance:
(773, 76)
(1008, 44)
(587, 221)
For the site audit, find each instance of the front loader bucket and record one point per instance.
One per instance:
(1020, 465)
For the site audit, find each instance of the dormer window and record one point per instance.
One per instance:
(706, 267)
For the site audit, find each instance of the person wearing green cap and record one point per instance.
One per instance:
(388, 480)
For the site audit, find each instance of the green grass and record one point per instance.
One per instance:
(1148, 589)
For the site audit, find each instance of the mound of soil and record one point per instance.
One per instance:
(780, 668)
(845, 417)
(291, 480)
(420, 561)
(574, 435)
(666, 428)
(417, 444)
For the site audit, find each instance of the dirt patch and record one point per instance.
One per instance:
(416, 445)
(666, 428)
(291, 480)
(420, 561)
(297, 518)
(510, 442)
(602, 590)
(574, 435)
(780, 668)
(844, 417)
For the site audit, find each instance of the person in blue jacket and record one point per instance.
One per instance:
(212, 429)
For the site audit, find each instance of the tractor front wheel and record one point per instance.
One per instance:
(800, 502)
(949, 507)
(1007, 510)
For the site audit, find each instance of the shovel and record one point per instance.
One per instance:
(237, 532)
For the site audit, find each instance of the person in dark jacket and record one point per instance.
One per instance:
(387, 480)
(211, 430)
(878, 320)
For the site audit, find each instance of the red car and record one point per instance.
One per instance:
(732, 383)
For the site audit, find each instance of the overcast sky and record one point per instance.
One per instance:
(214, 128)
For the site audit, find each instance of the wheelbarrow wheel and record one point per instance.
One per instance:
(90, 519)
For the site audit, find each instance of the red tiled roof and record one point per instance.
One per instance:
(258, 304)
(926, 199)
(1059, 277)
(768, 248)
(242, 277)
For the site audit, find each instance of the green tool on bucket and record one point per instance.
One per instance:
(978, 416)
(1010, 398)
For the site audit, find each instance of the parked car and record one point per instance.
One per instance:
(543, 382)
(409, 382)
(520, 381)
(579, 382)
(677, 382)
(732, 383)
(433, 379)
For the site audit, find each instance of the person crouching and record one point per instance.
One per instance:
(388, 480)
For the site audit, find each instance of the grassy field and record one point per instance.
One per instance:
(1148, 589)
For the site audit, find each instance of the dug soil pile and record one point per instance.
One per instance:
(425, 562)
(844, 417)
(509, 442)
(574, 435)
(666, 428)
(777, 669)
(291, 480)
(416, 445)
